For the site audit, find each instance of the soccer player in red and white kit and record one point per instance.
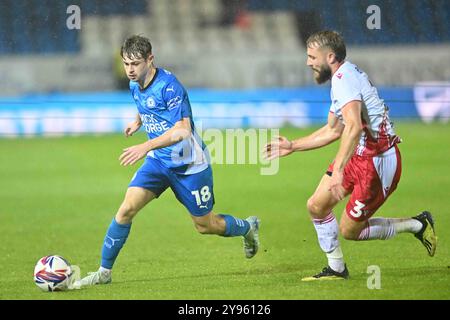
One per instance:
(367, 165)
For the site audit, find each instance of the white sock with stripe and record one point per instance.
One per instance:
(386, 228)
(327, 232)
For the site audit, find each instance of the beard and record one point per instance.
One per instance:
(322, 75)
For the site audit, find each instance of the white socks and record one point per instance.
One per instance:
(336, 259)
(327, 232)
(386, 228)
(377, 228)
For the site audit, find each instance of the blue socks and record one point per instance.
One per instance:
(115, 238)
(235, 226)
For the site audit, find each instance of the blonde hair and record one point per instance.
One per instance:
(330, 39)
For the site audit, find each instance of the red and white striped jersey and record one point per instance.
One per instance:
(349, 83)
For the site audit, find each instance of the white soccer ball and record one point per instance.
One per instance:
(52, 273)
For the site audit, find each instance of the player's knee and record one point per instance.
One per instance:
(310, 205)
(314, 208)
(126, 212)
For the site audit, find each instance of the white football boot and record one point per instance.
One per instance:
(98, 277)
(251, 239)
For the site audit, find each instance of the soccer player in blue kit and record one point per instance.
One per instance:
(175, 157)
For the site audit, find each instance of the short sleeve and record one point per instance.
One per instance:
(344, 89)
(176, 100)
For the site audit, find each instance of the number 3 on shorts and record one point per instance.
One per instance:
(357, 210)
(202, 196)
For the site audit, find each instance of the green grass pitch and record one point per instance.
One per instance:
(58, 196)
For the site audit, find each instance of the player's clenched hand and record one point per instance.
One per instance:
(133, 154)
(279, 147)
(131, 128)
(336, 188)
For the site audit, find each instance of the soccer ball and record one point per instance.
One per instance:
(52, 273)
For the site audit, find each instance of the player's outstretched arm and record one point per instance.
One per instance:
(322, 137)
(180, 131)
(280, 147)
(327, 134)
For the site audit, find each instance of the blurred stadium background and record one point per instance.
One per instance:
(243, 61)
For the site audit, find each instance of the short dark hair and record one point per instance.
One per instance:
(136, 46)
(330, 39)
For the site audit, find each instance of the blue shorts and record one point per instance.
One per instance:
(194, 191)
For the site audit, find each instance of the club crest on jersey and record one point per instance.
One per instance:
(339, 75)
(151, 102)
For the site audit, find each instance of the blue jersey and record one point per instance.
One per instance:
(161, 104)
